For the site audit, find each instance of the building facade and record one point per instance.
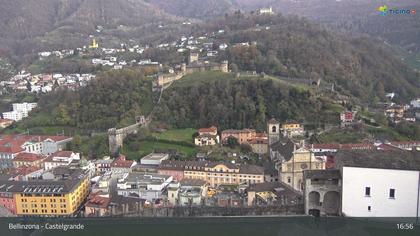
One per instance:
(60, 196)
(243, 135)
(291, 171)
(375, 192)
(322, 192)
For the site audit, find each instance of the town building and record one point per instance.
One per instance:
(25, 173)
(6, 196)
(101, 183)
(20, 111)
(187, 192)
(154, 158)
(207, 137)
(97, 205)
(322, 195)
(173, 168)
(103, 165)
(214, 173)
(60, 158)
(59, 193)
(148, 186)
(228, 199)
(28, 159)
(292, 169)
(242, 136)
(259, 144)
(121, 165)
(379, 183)
(11, 145)
(272, 193)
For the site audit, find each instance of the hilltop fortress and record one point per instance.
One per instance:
(194, 65)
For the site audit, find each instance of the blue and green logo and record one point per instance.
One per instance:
(384, 10)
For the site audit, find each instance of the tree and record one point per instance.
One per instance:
(232, 142)
(246, 148)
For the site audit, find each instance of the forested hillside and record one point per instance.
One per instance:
(201, 100)
(293, 47)
(114, 99)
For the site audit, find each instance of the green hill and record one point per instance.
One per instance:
(205, 99)
(294, 47)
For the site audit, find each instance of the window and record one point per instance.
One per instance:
(367, 191)
(288, 180)
(369, 208)
(273, 129)
(391, 193)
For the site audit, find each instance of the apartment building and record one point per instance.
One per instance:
(60, 192)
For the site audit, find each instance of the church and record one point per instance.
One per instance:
(291, 158)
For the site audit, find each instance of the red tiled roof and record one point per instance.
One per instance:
(122, 162)
(25, 156)
(98, 201)
(13, 143)
(62, 154)
(208, 130)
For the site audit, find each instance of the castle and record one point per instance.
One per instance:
(194, 65)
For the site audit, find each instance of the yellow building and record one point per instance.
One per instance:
(292, 128)
(302, 159)
(59, 193)
(94, 44)
(224, 173)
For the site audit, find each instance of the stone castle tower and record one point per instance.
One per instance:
(273, 131)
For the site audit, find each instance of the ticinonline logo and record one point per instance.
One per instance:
(384, 10)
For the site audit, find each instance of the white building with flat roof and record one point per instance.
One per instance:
(145, 186)
(20, 111)
(13, 115)
(154, 158)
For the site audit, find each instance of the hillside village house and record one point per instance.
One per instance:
(243, 135)
(347, 118)
(259, 144)
(207, 137)
(5, 123)
(292, 128)
(395, 112)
